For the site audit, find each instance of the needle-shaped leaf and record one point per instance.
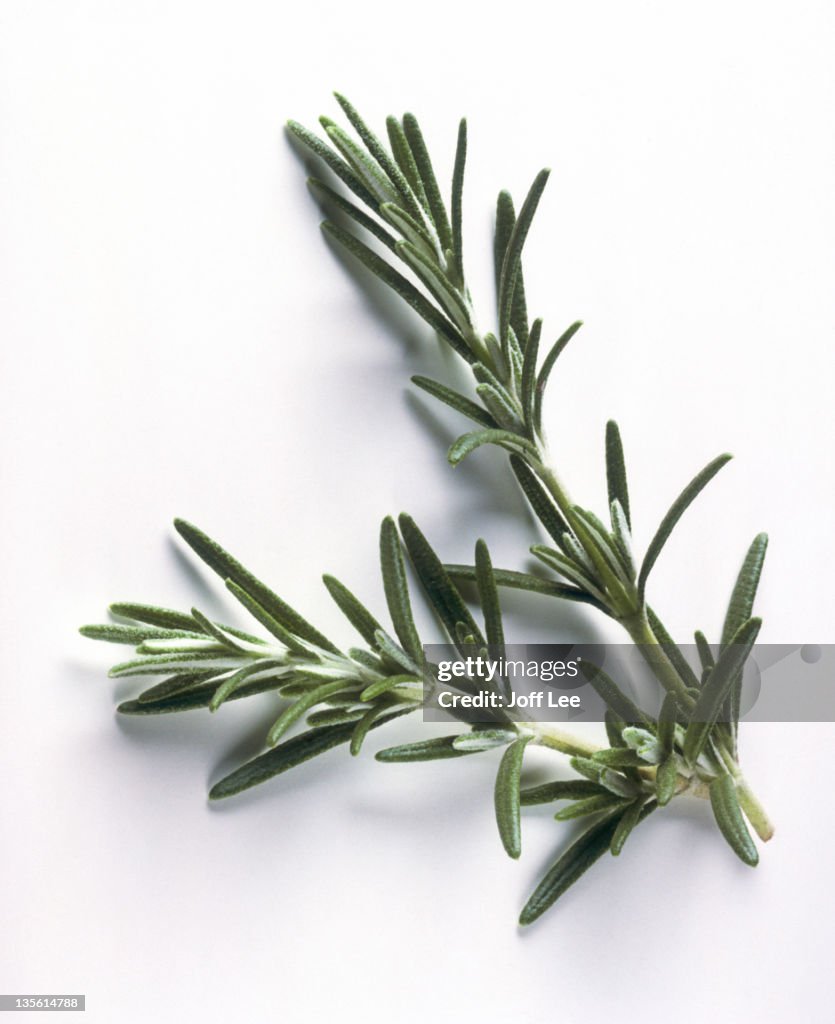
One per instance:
(567, 789)
(666, 780)
(117, 634)
(339, 167)
(439, 588)
(677, 509)
(570, 866)
(540, 501)
(367, 722)
(292, 642)
(263, 668)
(354, 212)
(669, 714)
(354, 610)
(545, 373)
(378, 152)
(230, 568)
(191, 698)
(726, 810)
(672, 650)
(177, 684)
(525, 581)
(506, 796)
(529, 364)
(731, 661)
(511, 262)
(397, 590)
(402, 287)
(405, 159)
(484, 739)
(436, 283)
(413, 134)
(366, 169)
(467, 443)
(612, 695)
(287, 755)
(745, 588)
(591, 805)
(455, 401)
(318, 695)
(438, 748)
(381, 686)
(627, 823)
(489, 595)
(616, 470)
(457, 200)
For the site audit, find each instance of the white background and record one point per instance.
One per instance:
(178, 339)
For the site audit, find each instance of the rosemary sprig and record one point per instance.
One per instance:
(690, 747)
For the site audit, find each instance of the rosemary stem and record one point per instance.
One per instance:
(653, 653)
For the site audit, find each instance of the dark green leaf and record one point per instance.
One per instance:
(540, 501)
(230, 568)
(425, 750)
(318, 695)
(402, 152)
(457, 197)
(731, 661)
(196, 697)
(545, 372)
(672, 650)
(404, 288)
(118, 634)
(628, 821)
(340, 168)
(354, 212)
(616, 470)
(468, 443)
(417, 144)
(506, 796)
(745, 588)
(666, 780)
(529, 376)
(524, 581)
(612, 695)
(397, 590)
(511, 263)
(677, 509)
(489, 595)
(591, 805)
(705, 652)
(568, 789)
(440, 589)
(455, 401)
(729, 818)
(354, 611)
(668, 716)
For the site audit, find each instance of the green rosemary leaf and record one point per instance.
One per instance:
(628, 822)
(468, 443)
(669, 714)
(677, 509)
(484, 739)
(424, 750)
(455, 401)
(529, 375)
(165, 618)
(354, 610)
(154, 665)
(390, 651)
(513, 254)
(568, 789)
(440, 589)
(396, 589)
(364, 725)
(413, 134)
(489, 596)
(378, 152)
(525, 581)
(506, 796)
(569, 867)
(739, 609)
(381, 686)
(368, 170)
(568, 568)
(616, 470)
(457, 196)
(622, 537)
(501, 409)
(213, 630)
(745, 588)
(672, 650)
(731, 661)
(402, 153)
(335, 716)
(505, 222)
(609, 779)
(666, 780)
(619, 757)
(176, 684)
(190, 699)
(291, 715)
(729, 818)
(257, 611)
(540, 501)
(436, 283)
(591, 805)
(412, 230)
(133, 635)
(339, 167)
(354, 212)
(705, 652)
(545, 372)
(288, 755)
(237, 679)
(612, 695)
(230, 568)
(405, 289)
